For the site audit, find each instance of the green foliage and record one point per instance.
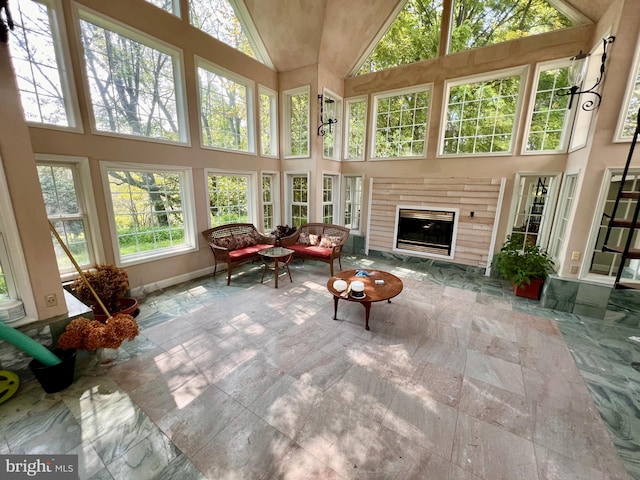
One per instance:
(520, 263)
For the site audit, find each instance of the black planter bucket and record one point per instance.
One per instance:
(58, 377)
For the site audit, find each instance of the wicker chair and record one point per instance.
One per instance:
(234, 244)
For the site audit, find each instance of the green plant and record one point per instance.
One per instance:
(109, 282)
(520, 263)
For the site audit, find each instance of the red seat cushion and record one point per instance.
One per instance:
(246, 252)
(311, 250)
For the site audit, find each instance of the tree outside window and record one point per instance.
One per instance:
(353, 191)
(356, 122)
(328, 198)
(133, 85)
(148, 210)
(481, 116)
(39, 64)
(228, 199)
(65, 210)
(171, 6)
(400, 123)
(297, 118)
(548, 122)
(268, 122)
(226, 110)
(268, 204)
(299, 200)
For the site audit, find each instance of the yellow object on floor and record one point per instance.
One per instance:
(9, 383)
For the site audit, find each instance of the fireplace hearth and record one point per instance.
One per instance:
(426, 230)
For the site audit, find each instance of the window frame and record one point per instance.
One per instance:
(633, 78)
(17, 263)
(564, 212)
(471, 79)
(275, 198)
(188, 208)
(347, 130)
(343, 201)
(335, 196)
(61, 47)
(273, 122)
(424, 87)
(84, 194)
(81, 12)
(568, 120)
(252, 215)
(337, 127)
(290, 176)
(286, 95)
(250, 96)
(175, 7)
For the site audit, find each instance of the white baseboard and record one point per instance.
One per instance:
(169, 282)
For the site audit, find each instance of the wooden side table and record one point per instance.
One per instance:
(391, 287)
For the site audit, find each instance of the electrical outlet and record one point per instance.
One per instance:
(51, 300)
(575, 256)
(574, 269)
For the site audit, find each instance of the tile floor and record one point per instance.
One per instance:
(457, 380)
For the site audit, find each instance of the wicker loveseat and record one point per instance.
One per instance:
(234, 244)
(318, 241)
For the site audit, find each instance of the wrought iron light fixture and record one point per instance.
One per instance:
(577, 72)
(325, 121)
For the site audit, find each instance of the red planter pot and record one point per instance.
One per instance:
(127, 305)
(533, 290)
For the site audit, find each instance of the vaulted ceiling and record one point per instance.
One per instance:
(336, 33)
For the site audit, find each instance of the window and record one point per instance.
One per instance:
(226, 109)
(606, 264)
(298, 199)
(481, 116)
(549, 118)
(353, 191)
(7, 288)
(627, 125)
(412, 35)
(562, 220)
(230, 22)
(329, 198)
(145, 104)
(229, 199)
(171, 6)
(151, 211)
(400, 123)
(355, 125)
(268, 122)
(478, 23)
(41, 64)
(296, 109)
(534, 202)
(269, 201)
(332, 109)
(64, 194)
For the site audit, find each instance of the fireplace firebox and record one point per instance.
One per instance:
(426, 230)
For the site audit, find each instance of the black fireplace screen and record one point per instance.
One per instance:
(429, 231)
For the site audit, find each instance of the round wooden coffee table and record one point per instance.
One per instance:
(391, 287)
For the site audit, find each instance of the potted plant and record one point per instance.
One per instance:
(525, 265)
(110, 284)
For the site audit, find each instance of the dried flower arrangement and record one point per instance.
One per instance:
(84, 334)
(109, 282)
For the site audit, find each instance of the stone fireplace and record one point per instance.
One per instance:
(426, 230)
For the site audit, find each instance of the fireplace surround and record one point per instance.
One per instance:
(424, 230)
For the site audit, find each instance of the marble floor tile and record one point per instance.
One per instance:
(422, 420)
(494, 371)
(478, 445)
(247, 448)
(496, 406)
(456, 380)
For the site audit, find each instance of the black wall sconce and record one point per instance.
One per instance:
(577, 72)
(325, 121)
